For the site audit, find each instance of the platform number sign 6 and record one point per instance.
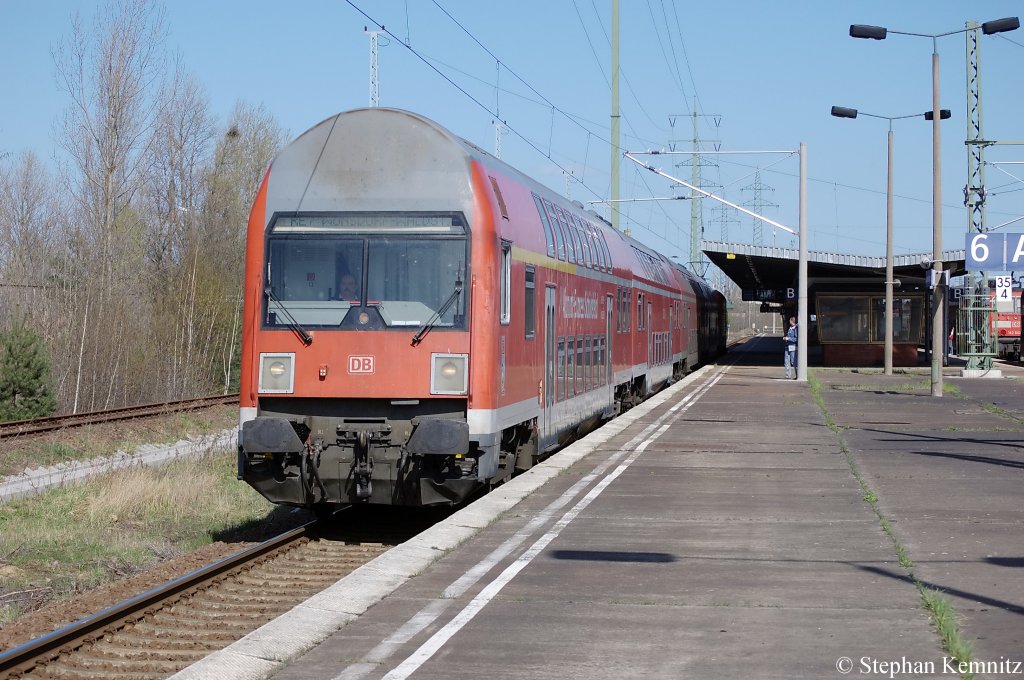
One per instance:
(1004, 289)
(985, 251)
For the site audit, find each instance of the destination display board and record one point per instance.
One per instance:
(768, 294)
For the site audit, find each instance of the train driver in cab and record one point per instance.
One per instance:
(348, 289)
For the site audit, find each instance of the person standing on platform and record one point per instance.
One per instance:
(789, 360)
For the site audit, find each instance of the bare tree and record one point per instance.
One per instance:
(241, 159)
(110, 73)
(174, 198)
(145, 256)
(26, 223)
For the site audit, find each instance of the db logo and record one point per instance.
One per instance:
(360, 364)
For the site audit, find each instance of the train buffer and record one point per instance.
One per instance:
(726, 528)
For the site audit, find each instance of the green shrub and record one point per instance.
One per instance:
(25, 382)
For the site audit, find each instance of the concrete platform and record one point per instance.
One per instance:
(716, 531)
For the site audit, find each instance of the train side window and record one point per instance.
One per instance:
(506, 283)
(588, 257)
(570, 367)
(618, 310)
(623, 311)
(549, 236)
(588, 375)
(602, 264)
(605, 377)
(570, 245)
(604, 246)
(555, 229)
(580, 258)
(640, 325)
(627, 310)
(598, 364)
(588, 238)
(588, 235)
(560, 380)
(570, 242)
(605, 362)
(529, 305)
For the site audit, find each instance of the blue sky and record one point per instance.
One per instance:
(769, 71)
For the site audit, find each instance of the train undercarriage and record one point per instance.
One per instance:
(319, 454)
(314, 453)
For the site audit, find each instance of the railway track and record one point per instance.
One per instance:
(36, 425)
(166, 629)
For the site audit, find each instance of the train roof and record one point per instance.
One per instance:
(340, 165)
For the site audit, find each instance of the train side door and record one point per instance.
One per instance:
(609, 333)
(671, 329)
(650, 336)
(547, 419)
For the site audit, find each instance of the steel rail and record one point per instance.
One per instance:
(25, 657)
(36, 425)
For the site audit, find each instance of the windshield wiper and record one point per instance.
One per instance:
(294, 325)
(432, 321)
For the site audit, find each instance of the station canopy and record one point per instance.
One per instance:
(764, 273)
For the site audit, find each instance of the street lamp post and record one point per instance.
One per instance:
(879, 33)
(844, 112)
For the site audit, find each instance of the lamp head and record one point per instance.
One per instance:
(943, 114)
(1000, 25)
(871, 32)
(844, 112)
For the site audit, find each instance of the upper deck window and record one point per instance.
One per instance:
(549, 237)
(584, 242)
(557, 229)
(570, 242)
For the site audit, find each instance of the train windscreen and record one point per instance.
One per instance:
(406, 267)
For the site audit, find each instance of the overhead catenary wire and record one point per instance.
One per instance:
(486, 49)
(575, 117)
(469, 96)
(554, 107)
(675, 75)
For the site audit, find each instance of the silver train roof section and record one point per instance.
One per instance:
(372, 160)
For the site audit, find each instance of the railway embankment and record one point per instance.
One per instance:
(34, 480)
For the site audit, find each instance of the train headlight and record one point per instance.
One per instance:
(449, 374)
(277, 373)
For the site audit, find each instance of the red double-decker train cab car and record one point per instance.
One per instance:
(421, 319)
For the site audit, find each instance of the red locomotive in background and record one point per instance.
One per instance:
(1008, 328)
(421, 319)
